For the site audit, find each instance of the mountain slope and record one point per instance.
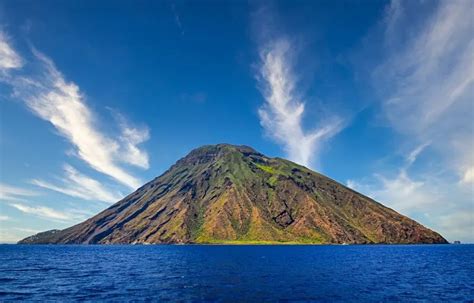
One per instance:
(233, 194)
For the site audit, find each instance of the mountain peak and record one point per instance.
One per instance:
(233, 194)
(212, 153)
(223, 148)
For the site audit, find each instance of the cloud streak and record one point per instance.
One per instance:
(8, 192)
(426, 79)
(424, 76)
(44, 212)
(429, 199)
(400, 192)
(282, 114)
(81, 186)
(52, 98)
(18, 198)
(9, 59)
(130, 138)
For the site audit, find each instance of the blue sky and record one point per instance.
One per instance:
(98, 98)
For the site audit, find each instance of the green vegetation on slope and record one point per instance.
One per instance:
(225, 194)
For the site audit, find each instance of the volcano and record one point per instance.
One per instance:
(234, 194)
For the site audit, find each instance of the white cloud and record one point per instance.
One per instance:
(8, 192)
(426, 78)
(130, 138)
(413, 155)
(43, 212)
(20, 197)
(401, 192)
(429, 199)
(9, 59)
(440, 206)
(81, 186)
(61, 103)
(468, 176)
(282, 114)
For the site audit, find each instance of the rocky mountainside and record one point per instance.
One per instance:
(233, 194)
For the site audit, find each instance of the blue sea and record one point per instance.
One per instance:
(221, 273)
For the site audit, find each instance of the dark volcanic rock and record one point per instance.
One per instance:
(233, 194)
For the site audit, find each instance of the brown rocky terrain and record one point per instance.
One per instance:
(233, 194)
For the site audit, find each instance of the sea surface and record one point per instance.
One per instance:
(221, 273)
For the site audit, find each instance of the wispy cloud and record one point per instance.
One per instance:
(19, 198)
(445, 207)
(468, 177)
(426, 79)
(52, 98)
(130, 138)
(282, 114)
(413, 155)
(8, 192)
(81, 186)
(9, 59)
(177, 19)
(429, 199)
(43, 212)
(400, 192)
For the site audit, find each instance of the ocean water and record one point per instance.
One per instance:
(408, 273)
